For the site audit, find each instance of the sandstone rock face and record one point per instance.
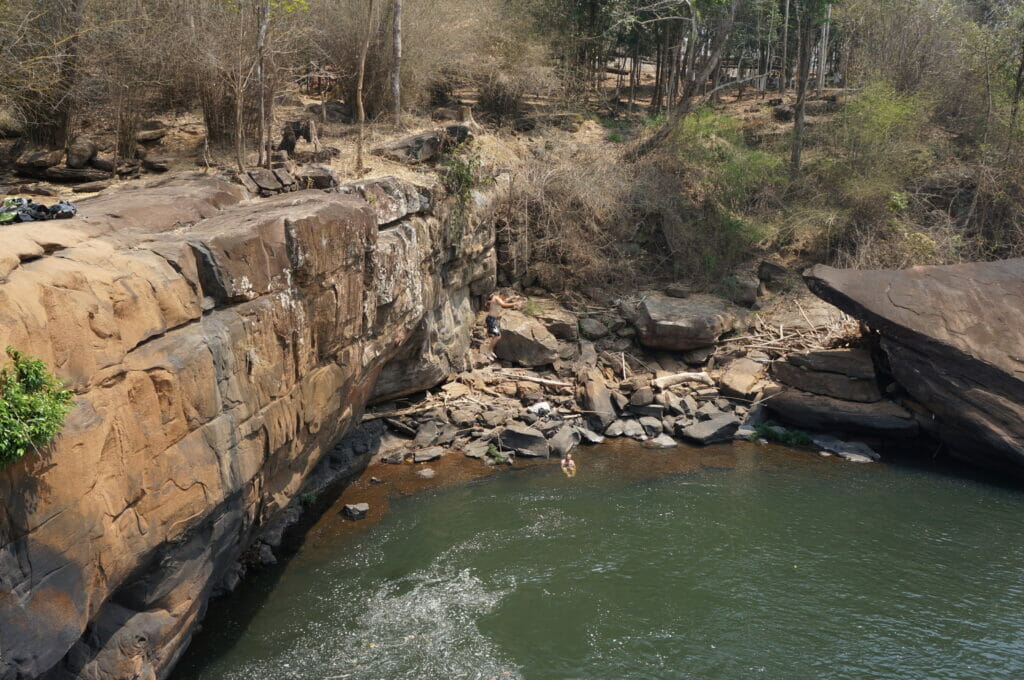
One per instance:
(218, 349)
(847, 374)
(953, 336)
(816, 412)
(684, 324)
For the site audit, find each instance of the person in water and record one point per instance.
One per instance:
(495, 304)
(569, 465)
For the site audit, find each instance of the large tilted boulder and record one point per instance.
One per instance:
(677, 324)
(525, 341)
(953, 336)
(816, 412)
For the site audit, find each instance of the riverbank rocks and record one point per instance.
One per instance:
(953, 337)
(720, 428)
(681, 324)
(816, 412)
(742, 378)
(427, 455)
(847, 374)
(855, 452)
(525, 441)
(525, 341)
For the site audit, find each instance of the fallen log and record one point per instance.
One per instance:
(670, 380)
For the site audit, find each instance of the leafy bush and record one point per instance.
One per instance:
(774, 432)
(33, 405)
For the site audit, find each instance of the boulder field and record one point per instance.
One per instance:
(218, 347)
(954, 341)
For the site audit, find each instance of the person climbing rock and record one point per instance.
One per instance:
(496, 303)
(569, 465)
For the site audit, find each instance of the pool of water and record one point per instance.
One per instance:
(734, 562)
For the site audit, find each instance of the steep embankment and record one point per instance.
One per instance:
(218, 347)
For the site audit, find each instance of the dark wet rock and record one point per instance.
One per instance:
(525, 441)
(394, 458)
(721, 428)
(356, 510)
(953, 339)
(816, 412)
(427, 455)
(525, 341)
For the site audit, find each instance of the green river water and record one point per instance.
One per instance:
(729, 563)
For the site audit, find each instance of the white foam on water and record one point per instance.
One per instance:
(423, 625)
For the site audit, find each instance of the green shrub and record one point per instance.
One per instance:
(33, 405)
(774, 432)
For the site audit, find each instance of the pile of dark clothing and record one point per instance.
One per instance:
(14, 210)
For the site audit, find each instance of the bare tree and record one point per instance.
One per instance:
(361, 110)
(396, 58)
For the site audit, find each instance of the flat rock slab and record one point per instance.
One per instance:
(854, 363)
(427, 455)
(681, 324)
(525, 441)
(828, 384)
(953, 336)
(845, 449)
(662, 441)
(817, 412)
(718, 429)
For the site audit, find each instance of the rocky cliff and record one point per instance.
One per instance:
(218, 347)
(953, 337)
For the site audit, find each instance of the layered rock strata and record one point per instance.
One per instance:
(953, 339)
(218, 348)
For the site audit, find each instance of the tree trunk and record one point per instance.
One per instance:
(396, 58)
(360, 168)
(803, 75)
(264, 133)
(1018, 90)
(784, 69)
(823, 53)
(50, 121)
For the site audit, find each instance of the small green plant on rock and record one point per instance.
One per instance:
(774, 432)
(33, 405)
(499, 456)
(461, 176)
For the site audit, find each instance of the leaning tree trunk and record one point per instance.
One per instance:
(803, 75)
